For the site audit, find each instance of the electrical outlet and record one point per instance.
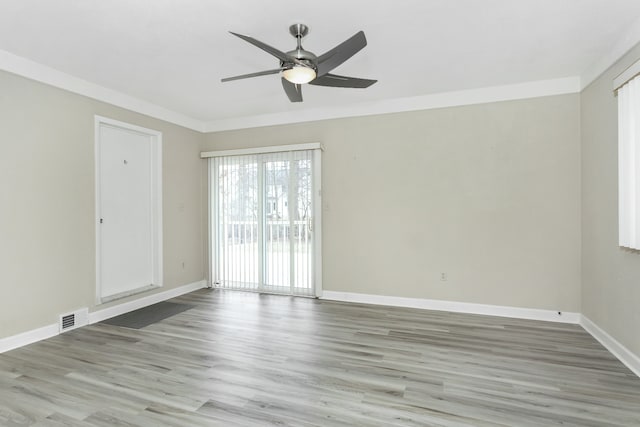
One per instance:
(443, 277)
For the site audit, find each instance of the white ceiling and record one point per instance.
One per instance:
(173, 53)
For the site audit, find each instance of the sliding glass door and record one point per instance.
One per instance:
(263, 222)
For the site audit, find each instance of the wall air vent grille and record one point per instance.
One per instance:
(68, 321)
(73, 320)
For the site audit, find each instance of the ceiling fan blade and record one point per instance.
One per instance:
(333, 80)
(259, 73)
(269, 49)
(293, 91)
(345, 50)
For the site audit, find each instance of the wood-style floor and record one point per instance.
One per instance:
(240, 359)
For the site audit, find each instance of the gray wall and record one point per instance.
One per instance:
(610, 274)
(47, 234)
(489, 194)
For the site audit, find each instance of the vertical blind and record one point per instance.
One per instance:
(629, 164)
(262, 222)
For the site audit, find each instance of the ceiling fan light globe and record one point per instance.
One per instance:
(299, 75)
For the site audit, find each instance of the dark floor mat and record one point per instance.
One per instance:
(148, 315)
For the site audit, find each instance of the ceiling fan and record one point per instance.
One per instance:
(300, 66)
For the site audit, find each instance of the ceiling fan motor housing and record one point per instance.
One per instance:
(304, 56)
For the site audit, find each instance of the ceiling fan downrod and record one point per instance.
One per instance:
(299, 31)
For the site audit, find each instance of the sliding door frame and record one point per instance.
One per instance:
(316, 218)
(316, 221)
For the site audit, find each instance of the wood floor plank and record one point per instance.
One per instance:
(241, 359)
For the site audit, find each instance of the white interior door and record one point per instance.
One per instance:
(127, 253)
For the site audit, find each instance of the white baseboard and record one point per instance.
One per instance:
(117, 310)
(623, 354)
(456, 307)
(29, 337)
